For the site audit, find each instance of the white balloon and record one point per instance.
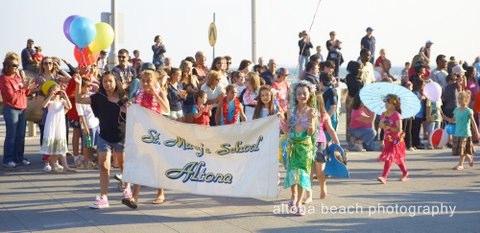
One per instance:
(433, 91)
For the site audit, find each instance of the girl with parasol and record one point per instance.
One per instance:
(394, 145)
(394, 103)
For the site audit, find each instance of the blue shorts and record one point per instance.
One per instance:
(104, 146)
(187, 109)
(94, 134)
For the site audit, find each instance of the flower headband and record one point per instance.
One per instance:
(391, 100)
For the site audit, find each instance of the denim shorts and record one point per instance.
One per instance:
(321, 155)
(104, 146)
(94, 134)
(74, 124)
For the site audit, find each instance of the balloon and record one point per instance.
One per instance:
(46, 86)
(84, 56)
(439, 138)
(103, 38)
(433, 91)
(66, 26)
(450, 128)
(82, 32)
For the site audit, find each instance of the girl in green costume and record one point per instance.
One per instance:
(301, 131)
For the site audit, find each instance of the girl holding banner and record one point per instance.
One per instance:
(301, 131)
(155, 101)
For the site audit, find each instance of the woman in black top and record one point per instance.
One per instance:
(354, 84)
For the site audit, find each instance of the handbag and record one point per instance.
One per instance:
(34, 111)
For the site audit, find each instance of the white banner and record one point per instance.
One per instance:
(234, 160)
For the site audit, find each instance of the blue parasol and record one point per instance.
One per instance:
(372, 96)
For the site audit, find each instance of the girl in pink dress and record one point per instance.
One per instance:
(394, 145)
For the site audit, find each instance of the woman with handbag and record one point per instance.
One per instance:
(14, 93)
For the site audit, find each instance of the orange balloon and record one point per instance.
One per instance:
(84, 56)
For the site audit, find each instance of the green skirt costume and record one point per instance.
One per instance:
(300, 161)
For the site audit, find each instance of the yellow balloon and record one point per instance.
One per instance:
(46, 86)
(103, 38)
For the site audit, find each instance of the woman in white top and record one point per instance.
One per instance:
(214, 92)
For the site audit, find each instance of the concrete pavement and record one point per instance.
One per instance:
(435, 199)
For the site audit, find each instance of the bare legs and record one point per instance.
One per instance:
(104, 170)
(322, 179)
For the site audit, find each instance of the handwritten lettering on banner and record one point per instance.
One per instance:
(226, 160)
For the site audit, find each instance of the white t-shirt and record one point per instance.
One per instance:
(368, 75)
(440, 77)
(86, 110)
(212, 94)
(239, 88)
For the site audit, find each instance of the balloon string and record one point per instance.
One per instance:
(309, 29)
(84, 59)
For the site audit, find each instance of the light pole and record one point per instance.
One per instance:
(112, 57)
(254, 32)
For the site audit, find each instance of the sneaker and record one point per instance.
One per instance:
(10, 164)
(430, 147)
(449, 145)
(57, 168)
(47, 168)
(420, 147)
(100, 203)
(26, 162)
(91, 165)
(359, 147)
(118, 177)
(411, 149)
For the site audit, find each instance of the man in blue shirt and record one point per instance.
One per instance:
(268, 75)
(28, 63)
(368, 42)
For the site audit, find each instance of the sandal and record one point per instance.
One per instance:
(470, 161)
(458, 168)
(404, 178)
(129, 202)
(300, 211)
(382, 180)
(291, 203)
(158, 201)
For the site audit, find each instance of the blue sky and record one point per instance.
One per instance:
(401, 26)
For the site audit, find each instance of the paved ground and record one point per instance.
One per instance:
(33, 201)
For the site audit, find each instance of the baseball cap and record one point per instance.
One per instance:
(429, 42)
(369, 29)
(458, 69)
(147, 66)
(30, 40)
(282, 71)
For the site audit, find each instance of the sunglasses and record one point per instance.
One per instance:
(14, 65)
(47, 63)
(122, 57)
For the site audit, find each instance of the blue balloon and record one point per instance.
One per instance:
(82, 32)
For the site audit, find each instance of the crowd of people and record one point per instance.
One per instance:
(87, 98)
